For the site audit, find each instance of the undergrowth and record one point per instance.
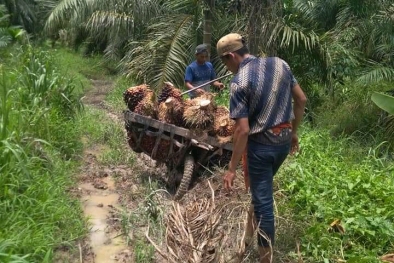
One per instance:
(338, 180)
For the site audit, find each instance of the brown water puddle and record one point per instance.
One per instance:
(107, 245)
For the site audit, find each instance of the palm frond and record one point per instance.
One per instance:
(5, 40)
(389, 127)
(183, 6)
(64, 12)
(224, 24)
(296, 37)
(110, 21)
(22, 13)
(375, 73)
(164, 55)
(318, 13)
(4, 16)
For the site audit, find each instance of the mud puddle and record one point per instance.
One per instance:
(99, 199)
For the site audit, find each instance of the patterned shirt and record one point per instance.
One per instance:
(262, 92)
(199, 74)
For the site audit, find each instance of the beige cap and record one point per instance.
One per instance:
(229, 43)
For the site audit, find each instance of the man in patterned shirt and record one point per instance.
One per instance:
(262, 90)
(199, 72)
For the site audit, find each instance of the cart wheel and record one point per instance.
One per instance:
(187, 176)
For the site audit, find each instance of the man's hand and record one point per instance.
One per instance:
(221, 86)
(295, 146)
(199, 92)
(228, 179)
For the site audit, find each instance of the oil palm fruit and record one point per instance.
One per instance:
(169, 90)
(171, 111)
(148, 105)
(223, 125)
(133, 95)
(198, 114)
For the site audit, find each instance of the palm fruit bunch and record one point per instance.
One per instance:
(132, 141)
(211, 97)
(171, 111)
(134, 95)
(148, 145)
(148, 105)
(167, 91)
(199, 113)
(223, 126)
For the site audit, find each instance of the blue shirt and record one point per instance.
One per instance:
(262, 92)
(199, 74)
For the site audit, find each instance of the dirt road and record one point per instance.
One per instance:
(124, 203)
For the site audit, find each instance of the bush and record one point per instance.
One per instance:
(352, 112)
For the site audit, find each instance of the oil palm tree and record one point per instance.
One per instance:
(8, 33)
(21, 13)
(168, 48)
(112, 21)
(28, 14)
(5, 37)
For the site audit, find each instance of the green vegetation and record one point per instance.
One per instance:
(147, 213)
(115, 97)
(338, 179)
(340, 51)
(100, 129)
(38, 145)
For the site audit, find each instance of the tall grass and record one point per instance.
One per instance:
(38, 141)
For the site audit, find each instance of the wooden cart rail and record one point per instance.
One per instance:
(186, 133)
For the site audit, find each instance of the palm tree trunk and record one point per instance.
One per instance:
(207, 38)
(262, 18)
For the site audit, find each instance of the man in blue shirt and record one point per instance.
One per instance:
(266, 124)
(199, 72)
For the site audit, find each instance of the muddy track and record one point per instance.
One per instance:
(99, 196)
(106, 191)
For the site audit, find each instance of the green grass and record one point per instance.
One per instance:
(115, 97)
(80, 69)
(147, 213)
(339, 179)
(100, 129)
(39, 145)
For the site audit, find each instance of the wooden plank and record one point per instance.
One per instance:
(131, 116)
(134, 117)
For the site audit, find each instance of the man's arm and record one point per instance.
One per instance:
(299, 107)
(217, 84)
(189, 85)
(189, 79)
(240, 140)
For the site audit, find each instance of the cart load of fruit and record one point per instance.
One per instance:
(200, 114)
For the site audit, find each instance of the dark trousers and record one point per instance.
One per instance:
(263, 163)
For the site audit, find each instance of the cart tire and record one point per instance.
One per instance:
(187, 176)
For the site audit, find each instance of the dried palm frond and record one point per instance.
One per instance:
(193, 233)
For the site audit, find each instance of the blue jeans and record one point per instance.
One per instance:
(263, 163)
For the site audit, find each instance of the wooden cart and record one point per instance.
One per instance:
(185, 152)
